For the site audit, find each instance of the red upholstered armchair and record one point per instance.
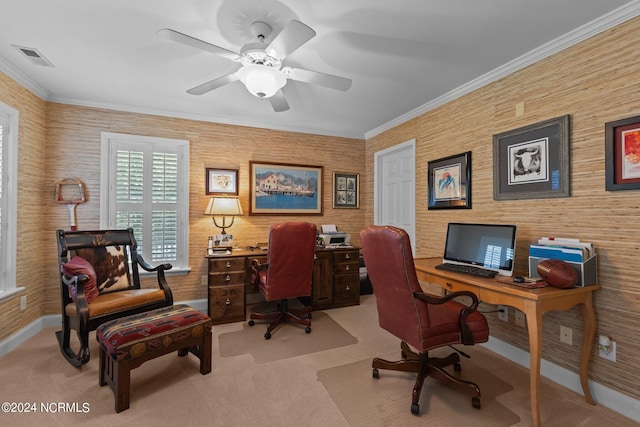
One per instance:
(420, 320)
(287, 273)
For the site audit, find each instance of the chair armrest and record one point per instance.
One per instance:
(256, 265)
(466, 334)
(82, 307)
(160, 269)
(148, 267)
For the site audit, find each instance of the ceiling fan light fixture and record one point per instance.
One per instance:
(261, 80)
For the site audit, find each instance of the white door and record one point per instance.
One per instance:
(395, 189)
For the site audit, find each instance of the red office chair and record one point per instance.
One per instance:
(421, 320)
(287, 273)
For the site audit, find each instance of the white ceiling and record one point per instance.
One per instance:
(404, 56)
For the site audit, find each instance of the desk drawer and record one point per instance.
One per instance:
(447, 284)
(226, 304)
(230, 278)
(346, 289)
(347, 268)
(346, 256)
(226, 264)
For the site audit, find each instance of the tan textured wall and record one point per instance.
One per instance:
(74, 150)
(30, 267)
(594, 82)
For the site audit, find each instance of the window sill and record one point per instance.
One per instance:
(6, 294)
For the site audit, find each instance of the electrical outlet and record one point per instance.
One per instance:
(204, 281)
(612, 353)
(566, 335)
(504, 313)
(520, 318)
(23, 303)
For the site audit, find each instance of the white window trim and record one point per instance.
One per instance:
(107, 216)
(10, 200)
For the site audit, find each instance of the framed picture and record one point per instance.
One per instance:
(221, 181)
(532, 162)
(622, 154)
(346, 190)
(285, 189)
(449, 182)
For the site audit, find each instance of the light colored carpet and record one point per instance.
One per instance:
(365, 401)
(288, 340)
(240, 392)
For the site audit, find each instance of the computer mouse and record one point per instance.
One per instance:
(518, 279)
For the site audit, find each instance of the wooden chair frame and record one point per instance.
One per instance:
(83, 322)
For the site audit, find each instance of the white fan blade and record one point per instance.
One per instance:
(213, 84)
(279, 102)
(317, 78)
(294, 35)
(197, 43)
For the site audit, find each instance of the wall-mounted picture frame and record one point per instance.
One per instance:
(221, 182)
(285, 189)
(622, 154)
(346, 190)
(532, 162)
(449, 182)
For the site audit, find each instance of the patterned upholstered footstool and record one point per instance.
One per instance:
(128, 342)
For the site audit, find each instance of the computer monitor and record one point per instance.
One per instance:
(490, 246)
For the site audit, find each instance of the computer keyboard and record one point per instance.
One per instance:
(467, 269)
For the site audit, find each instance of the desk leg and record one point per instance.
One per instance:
(589, 319)
(534, 324)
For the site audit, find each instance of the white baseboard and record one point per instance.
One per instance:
(603, 395)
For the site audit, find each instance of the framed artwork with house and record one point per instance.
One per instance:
(285, 189)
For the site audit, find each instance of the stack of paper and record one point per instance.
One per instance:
(563, 248)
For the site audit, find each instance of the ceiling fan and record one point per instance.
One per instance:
(261, 68)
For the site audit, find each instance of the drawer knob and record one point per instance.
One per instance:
(347, 288)
(347, 268)
(346, 256)
(228, 264)
(227, 302)
(227, 277)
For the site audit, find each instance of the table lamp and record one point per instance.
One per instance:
(224, 207)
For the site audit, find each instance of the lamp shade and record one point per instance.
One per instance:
(224, 206)
(261, 80)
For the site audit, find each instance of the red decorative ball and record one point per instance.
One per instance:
(558, 273)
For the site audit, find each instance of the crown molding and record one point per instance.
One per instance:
(202, 117)
(25, 81)
(603, 23)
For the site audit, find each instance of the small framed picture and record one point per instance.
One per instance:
(532, 162)
(346, 190)
(449, 182)
(622, 154)
(221, 181)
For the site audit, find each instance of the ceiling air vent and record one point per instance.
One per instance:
(34, 56)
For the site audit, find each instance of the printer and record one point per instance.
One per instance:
(330, 236)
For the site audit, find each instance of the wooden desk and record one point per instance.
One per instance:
(534, 303)
(336, 281)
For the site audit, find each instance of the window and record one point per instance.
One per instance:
(8, 199)
(145, 182)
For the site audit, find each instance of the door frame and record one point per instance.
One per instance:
(378, 184)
